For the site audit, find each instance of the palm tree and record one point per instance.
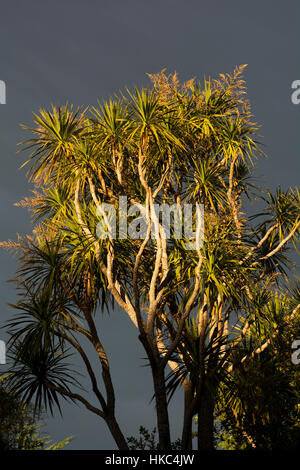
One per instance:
(173, 143)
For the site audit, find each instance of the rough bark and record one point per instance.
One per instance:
(188, 418)
(163, 425)
(117, 433)
(206, 422)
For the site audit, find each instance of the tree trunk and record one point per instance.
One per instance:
(161, 410)
(186, 440)
(206, 422)
(117, 433)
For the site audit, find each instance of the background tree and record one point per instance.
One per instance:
(258, 407)
(148, 441)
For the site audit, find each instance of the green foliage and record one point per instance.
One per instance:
(258, 404)
(19, 429)
(148, 441)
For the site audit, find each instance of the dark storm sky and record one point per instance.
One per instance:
(81, 51)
